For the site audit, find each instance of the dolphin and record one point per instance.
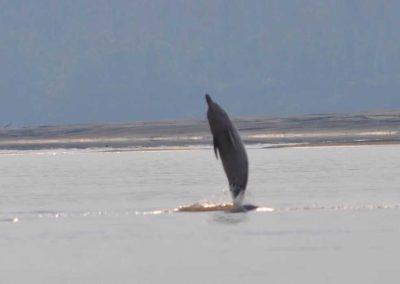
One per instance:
(229, 146)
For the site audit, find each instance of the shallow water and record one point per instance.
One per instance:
(90, 216)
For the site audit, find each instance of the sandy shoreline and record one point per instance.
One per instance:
(301, 131)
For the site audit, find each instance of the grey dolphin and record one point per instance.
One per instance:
(229, 145)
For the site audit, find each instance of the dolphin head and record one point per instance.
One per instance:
(217, 117)
(208, 99)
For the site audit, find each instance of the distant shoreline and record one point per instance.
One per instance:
(340, 144)
(282, 132)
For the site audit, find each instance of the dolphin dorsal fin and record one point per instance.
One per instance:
(215, 142)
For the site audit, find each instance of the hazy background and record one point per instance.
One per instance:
(109, 61)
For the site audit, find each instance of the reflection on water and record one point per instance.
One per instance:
(229, 218)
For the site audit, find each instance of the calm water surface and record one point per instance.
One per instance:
(74, 216)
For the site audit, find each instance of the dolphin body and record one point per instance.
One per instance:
(229, 145)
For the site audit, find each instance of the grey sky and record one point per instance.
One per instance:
(108, 61)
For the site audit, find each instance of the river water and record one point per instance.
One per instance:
(93, 216)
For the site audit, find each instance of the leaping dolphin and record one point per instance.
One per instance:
(229, 145)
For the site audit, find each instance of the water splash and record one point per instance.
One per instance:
(198, 207)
